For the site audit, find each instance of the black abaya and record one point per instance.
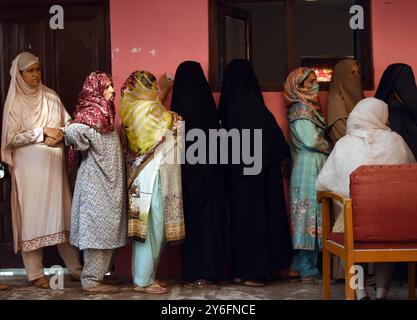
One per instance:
(261, 241)
(203, 253)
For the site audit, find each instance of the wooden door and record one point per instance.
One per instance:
(67, 56)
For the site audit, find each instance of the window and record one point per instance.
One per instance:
(280, 35)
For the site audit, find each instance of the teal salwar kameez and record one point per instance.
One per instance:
(309, 150)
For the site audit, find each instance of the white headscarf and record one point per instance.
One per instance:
(368, 141)
(29, 107)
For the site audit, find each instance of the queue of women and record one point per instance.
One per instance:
(127, 189)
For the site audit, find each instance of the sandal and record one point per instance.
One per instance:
(154, 288)
(316, 279)
(3, 286)
(76, 277)
(161, 283)
(294, 276)
(249, 283)
(101, 289)
(201, 284)
(41, 283)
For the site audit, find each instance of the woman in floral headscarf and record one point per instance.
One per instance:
(154, 175)
(99, 222)
(309, 149)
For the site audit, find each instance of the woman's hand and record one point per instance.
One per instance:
(165, 85)
(56, 134)
(51, 142)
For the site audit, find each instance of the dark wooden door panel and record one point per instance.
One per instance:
(82, 38)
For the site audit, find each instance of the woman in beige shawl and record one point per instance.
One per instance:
(344, 93)
(31, 145)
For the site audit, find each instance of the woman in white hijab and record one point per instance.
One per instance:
(31, 145)
(368, 141)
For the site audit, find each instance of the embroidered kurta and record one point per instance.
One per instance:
(99, 218)
(309, 149)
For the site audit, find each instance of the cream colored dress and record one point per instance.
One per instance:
(41, 199)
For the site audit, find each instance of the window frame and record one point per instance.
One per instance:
(362, 45)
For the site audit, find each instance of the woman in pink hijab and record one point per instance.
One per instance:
(98, 215)
(31, 146)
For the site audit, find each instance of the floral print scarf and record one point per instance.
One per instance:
(293, 92)
(93, 109)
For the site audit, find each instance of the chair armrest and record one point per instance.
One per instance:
(321, 195)
(324, 197)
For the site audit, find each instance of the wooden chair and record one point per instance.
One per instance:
(380, 222)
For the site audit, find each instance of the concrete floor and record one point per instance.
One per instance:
(279, 290)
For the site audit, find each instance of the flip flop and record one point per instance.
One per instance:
(41, 283)
(154, 288)
(101, 289)
(294, 276)
(3, 286)
(161, 283)
(249, 283)
(313, 279)
(76, 277)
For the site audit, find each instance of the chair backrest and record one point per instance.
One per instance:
(384, 203)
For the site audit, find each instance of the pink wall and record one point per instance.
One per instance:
(394, 26)
(147, 35)
(158, 35)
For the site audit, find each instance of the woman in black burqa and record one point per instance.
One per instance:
(398, 89)
(260, 236)
(203, 253)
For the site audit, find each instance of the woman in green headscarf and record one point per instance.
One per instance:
(154, 175)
